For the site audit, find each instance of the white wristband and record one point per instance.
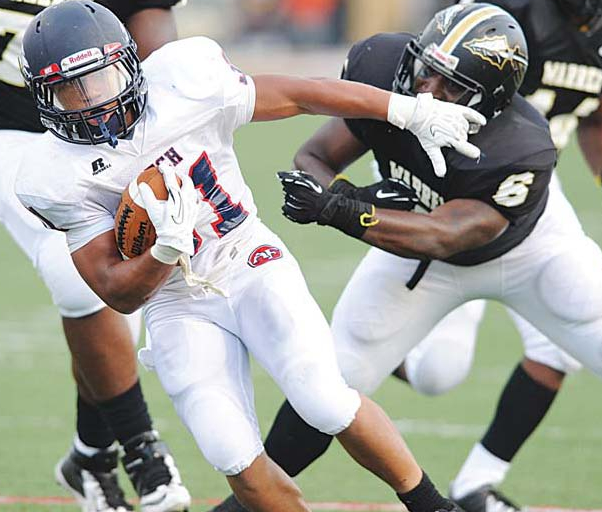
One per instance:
(401, 110)
(165, 254)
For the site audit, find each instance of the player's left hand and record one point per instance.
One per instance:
(304, 197)
(305, 201)
(437, 124)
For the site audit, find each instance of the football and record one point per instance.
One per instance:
(134, 232)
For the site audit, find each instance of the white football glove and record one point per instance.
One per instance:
(173, 219)
(437, 124)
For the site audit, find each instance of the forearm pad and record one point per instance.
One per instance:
(350, 216)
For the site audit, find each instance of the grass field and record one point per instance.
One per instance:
(561, 466)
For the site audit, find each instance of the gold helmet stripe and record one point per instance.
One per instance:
(467, 24)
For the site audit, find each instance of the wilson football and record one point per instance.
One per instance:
(134, 232)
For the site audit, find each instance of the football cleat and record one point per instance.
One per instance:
(154, 475)
(92, 480)
(487, 499)
(230, 504)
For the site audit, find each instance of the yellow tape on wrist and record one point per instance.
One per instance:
(598, 181)
(339, 177)
(367, 220)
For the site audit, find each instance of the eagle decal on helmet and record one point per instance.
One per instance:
(496, 51)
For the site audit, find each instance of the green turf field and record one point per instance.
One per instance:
(560, 466)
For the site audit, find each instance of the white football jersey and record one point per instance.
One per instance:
(196, 100)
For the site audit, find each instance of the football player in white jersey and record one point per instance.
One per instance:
(237, 289)
(110, 403)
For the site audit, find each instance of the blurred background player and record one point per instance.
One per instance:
(564, 82)
(110, 404)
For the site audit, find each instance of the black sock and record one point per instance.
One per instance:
(425, 498)
(127, 414)
(292, 443)
(92, 428)
(522, 406)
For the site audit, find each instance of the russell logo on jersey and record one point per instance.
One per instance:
(99, 166)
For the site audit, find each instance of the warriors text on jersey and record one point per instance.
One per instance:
(196, 100)
(512, 175)
(17, 110)
(564, 78)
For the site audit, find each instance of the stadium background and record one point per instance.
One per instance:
(559, 467)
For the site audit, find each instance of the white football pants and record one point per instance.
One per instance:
(444, 358)
(45, 248)
(201, 344)
(553, 279)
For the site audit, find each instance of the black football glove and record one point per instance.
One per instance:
(390, 193)
(305, 201)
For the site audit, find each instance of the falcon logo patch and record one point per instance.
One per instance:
(496, 51)
(445, 18)
(264, 254)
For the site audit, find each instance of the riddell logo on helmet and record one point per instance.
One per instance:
(79, 58)
(435, 52)
(264, 254)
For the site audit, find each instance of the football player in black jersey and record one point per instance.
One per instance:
(484, 230)
(110, 404)
(564, 82)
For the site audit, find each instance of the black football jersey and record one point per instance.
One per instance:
(564, 78)
(512, 175)
(17, 110)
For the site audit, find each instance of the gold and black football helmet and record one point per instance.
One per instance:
(479, 48)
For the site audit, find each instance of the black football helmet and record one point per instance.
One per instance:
(479, 48)
(586, 13)
(81, 66)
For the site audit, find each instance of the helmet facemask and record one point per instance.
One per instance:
(95, 102)
(417, 62)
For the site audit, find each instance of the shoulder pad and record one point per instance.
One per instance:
(373, 61)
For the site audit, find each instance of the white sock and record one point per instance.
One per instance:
(480, 468)
(88, 451)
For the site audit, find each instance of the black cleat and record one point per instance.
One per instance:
(154, 475)
(92, 481)
(230, 504)
(487, 499)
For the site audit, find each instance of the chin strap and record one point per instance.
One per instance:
(106, 132)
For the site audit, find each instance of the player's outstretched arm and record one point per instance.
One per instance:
(435, 123)
(456, 226)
